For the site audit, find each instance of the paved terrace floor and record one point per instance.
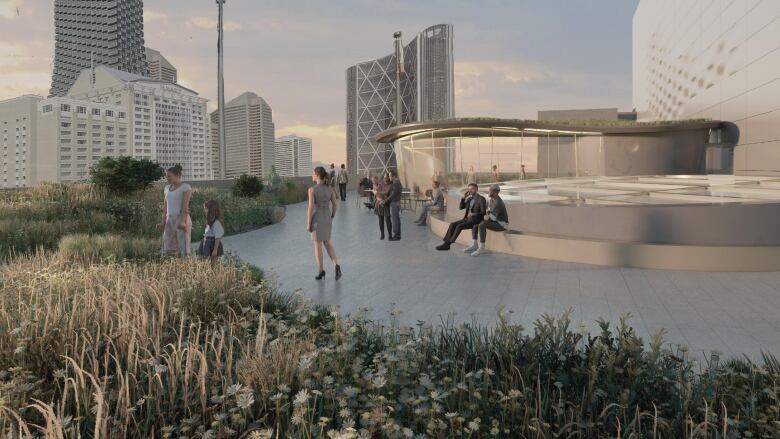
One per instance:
(732, 313)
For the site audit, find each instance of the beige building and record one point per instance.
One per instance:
(159, 67)
(18, 131)
(168, 122)
(249, 136)
(293, 156)
(58, 139)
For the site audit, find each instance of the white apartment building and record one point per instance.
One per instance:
(73, 135)
(292, 157)
(249, 136)
(58, 139)
(169, 123)
(17, 138)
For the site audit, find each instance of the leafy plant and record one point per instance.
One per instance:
(247, 186)
(125, 174)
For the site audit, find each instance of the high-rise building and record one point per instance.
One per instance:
(90, 33)
(249, 137)
(715, 60)
(159, 67)
(169, 122)
(293, 156)
(58, 139)
(426, 92)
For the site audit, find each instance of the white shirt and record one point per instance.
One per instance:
(175, 198)
(215, 230)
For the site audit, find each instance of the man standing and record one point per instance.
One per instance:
(332, 174)
(523, 176)
(496, 220)
(343, 179)
(475, 206)
(394, 198)
(435, 205)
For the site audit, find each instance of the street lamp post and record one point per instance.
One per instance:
(221, 97)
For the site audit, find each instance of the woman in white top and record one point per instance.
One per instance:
(211, 246)
(176, 224)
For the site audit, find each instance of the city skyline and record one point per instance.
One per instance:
(507, 64)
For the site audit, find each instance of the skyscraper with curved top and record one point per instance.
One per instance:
(422, 74)
(107, 32)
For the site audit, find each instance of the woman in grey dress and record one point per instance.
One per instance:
(322, 209)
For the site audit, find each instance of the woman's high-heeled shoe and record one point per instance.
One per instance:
(321, 275)
(338, 272)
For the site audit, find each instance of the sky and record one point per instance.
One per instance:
(512, 57)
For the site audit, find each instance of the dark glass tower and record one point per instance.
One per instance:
(108, 32)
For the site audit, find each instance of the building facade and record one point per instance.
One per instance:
(293, 156)
(249, 137)
(93, 33)
(58, 139)
(17, 144)
(169, 122)
(425, 86)
(159, 67)
(717, 60)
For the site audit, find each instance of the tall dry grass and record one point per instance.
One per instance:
(184, 348)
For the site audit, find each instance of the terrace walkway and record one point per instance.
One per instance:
(732, 313)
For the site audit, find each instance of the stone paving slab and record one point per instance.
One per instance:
(732, 313)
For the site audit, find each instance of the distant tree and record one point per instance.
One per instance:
(125, 174)
(274, 180)
(247, 186)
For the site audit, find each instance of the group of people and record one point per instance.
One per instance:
(480, 216)
(341, 178)
(176, 225)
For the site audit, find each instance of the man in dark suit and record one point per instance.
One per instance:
(496, 219)
(475, 206)
(394, 198)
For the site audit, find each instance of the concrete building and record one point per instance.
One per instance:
(17, 144)
(93, 33)
(159, 67)
(293, 156)
(58, 139)
(717, 60)
(169, 122)
(249, 136)
(425, 91)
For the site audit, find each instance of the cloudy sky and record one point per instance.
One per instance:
(512, 57)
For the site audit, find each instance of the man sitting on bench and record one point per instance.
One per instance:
(475, 206)
(496, 220)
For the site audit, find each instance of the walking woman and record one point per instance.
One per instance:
(382, 206)
(322, 209)
(176, 225)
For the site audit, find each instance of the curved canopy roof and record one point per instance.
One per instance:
(481, 127)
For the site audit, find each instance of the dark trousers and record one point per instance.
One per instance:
(458, 226)
(343, 191)
(382, 221)
(483, 227)
(395, 213)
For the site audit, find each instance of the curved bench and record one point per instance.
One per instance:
(623, 254)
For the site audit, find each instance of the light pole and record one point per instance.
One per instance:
(221, 97)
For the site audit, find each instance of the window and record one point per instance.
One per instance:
(95, 127)
(65, 107)
(96, 111)
(47, 108)
(109, 113)
(122, 114)
(65, 124)
(81, 110)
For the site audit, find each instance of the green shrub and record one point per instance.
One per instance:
(125, 174)
(91, 248)
(247, 186)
